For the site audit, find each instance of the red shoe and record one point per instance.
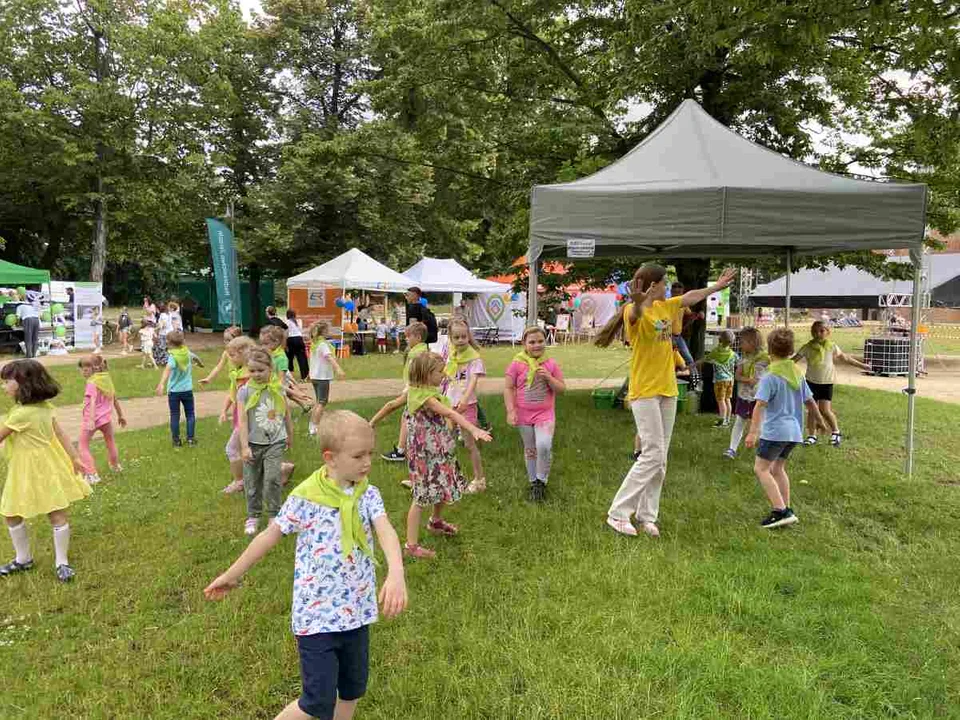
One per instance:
(418, 551)
(441, 526)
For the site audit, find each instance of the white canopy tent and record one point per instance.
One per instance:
(353, 270)
(447, 275)
(694, 188)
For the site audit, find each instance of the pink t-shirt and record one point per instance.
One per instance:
(96, 405)
(455, 387)
(535, 404)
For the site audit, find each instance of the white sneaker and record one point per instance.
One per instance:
(624, 527)
(650, 529)
(250, 526)
(92, 478)
(312, 429)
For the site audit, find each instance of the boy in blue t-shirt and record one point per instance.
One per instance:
(179, 372)
(778, 421)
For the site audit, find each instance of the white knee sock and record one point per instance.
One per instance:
(61, 543)
(21, 543)
(736, 434)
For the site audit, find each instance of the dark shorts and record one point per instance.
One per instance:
(331, 665)
(744, 408)
(821, 391)
(321, 388)
(774, 449)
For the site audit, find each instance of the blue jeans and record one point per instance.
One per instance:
(175, 400)
(683, 350)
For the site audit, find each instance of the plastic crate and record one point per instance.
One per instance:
(682, 387)
(604, 398)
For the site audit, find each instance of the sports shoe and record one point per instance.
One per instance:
(92, 478)
(13, 567)
(835, 439)
(117, 469)
(718, 423)
(477, 486)
(623, 527)
(538, 491)
(65, 573)
(729, 453)
(407, 484)
(636, 455)
(650, 529)
(311, 428)
(780, 518)
(177, 442)
(395, 456)
(192, 442)
(235, 486)
(810, 440)
(250, 526)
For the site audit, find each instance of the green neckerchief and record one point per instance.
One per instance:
(532, 364)
(103, 383)
(322, 490)
(236, 373)
(181, 356)
(273, 387)
(788, 370)
(720, 355)
(279, 359)
(411, 354)
(459, 357)
(418, 395)
(750, 362)
(817, 350)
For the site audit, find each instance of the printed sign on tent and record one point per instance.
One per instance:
(581, 247)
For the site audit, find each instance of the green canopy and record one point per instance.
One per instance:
(11, 274)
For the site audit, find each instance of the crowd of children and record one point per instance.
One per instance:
(335, 511)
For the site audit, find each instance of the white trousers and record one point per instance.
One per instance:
(639, 493)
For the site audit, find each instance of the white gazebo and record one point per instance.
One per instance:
(447, 275)
(694, 188)
(353, 270)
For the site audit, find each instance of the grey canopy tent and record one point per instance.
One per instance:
(694, 188)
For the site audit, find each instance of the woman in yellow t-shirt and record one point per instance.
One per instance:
(43, 474)
(648, 321)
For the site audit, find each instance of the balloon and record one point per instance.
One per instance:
(45, 315)
(10, 320)
(56, 309)
(423, 301)
(60, 331)
(350, 305)
(338, 302)
(21, 291)
(515, 297)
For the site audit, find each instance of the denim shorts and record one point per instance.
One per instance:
(775, 449)
(333, 664)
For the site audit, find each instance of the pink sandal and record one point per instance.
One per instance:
(418, 551)
(439, 525)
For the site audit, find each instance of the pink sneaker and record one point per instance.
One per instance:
(624, 527)
(250, 526)
(234, 487)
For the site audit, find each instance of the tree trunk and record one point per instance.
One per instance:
(253, 270)
(695, 274)
(98, 254)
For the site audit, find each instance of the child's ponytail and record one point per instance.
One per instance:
(612, 330)
(645, 276)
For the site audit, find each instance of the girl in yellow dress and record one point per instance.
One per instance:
(43, 475)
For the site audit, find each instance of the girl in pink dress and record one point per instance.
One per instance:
(462, 372)
(532, 384)
(99, 401)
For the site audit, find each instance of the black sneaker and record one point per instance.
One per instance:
(395, 456)
(538, 491)
(636, 455)
(835, 439)
(65, 573)
(177, 442)
(192, 442)
(719, 423)
(13, 567)
(779, 518)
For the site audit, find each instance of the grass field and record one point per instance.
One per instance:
(531, 612)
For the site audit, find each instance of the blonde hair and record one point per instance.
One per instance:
(335, 426)
(172, 306)
(175, 338)
(423, 366)
(97, 362)
(817, 324)
(750, 333)
(780, 343)
(647, 275)
(460, 322)
(417, 328)
(273, 334)
(232, 333)
(319, 329)
(258, 354)
(240, 346)
(727, 338)
(530, 331)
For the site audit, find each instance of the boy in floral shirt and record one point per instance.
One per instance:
(334, 582)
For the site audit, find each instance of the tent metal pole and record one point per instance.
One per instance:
(343, 314)
(532, 294)
(911, 390)
(786, 311)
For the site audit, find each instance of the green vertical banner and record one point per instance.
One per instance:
(225, 271)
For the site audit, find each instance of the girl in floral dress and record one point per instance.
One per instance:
(463, 371)
(431, 449)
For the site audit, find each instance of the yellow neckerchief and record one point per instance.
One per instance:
(532, 364)
(103, 383)
(457, 357)
(181, 356)
(817, 350)
(236, 373)
(273, 387)
(418, 395)
(322, 490)
(750, 362)
(720, 354)
(277, 354)
(411, 354)
(788, 370)
(321, 341)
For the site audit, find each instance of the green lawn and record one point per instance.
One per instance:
(943, 339)
(532, 612)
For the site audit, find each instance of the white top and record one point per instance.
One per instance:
(293, 328)
(382, 330)
(320, 366)
(164, 327)
(176, 322)
(26, 310)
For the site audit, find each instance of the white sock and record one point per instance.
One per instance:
(61, 543)
(21, 543)
(736, 435)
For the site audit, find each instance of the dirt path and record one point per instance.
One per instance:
(941, 384)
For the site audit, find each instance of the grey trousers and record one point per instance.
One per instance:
(31, 335)
(261, 479)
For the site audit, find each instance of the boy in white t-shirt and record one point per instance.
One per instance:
(382, 330)
(323, 367)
